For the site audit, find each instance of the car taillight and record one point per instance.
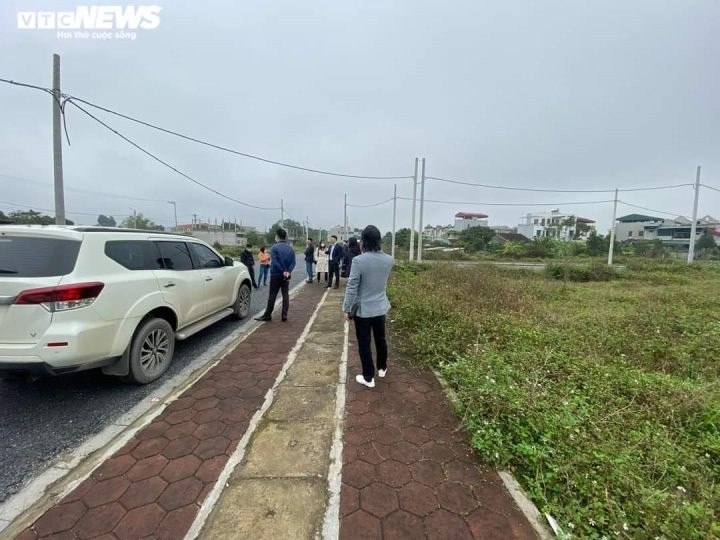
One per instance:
(62, 297)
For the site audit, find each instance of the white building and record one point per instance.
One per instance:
(213, 234)
(465, 220)
(556, 224)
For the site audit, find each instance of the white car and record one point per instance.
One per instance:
(76, 298)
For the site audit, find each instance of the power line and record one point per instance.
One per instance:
(649, 209)
(230, 150)
(99, 193)
(166, 164)
(32, 207)
(510, 188)
(466, 203)
(710, 187)
(372, 205)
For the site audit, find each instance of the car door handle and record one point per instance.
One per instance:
(208, 278)
(168, 285)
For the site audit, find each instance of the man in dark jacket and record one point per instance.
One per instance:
(248, 260)
(309, 260)
(281, 267)
(335, 255)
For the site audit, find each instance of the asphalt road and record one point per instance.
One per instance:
(41, 419)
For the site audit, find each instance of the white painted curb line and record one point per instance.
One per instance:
(237, 456)
(331, 523)
(49, 483)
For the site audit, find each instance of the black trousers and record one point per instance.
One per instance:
(364, 329)
(278, 284)
(251, 269)
(334, 272)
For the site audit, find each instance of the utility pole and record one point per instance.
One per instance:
(307, 234)
(345, 219)
(175, 210)
(612, 230)
(412, 227)
(57, 144)
(422, 205)
(693, 227)
(394, 219)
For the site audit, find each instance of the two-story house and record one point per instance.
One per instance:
(556, 224)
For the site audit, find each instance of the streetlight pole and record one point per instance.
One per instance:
(57, 144)
(175, 211)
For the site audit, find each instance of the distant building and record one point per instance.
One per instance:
(556, 224)
(465, 220)
(212, 234)
(343, 234)
(671, 232)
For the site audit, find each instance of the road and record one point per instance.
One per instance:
(41, 419)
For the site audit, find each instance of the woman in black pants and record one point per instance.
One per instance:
(366, 302)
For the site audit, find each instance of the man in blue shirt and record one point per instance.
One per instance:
(282, 265)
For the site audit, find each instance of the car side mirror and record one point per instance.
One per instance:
(229, 261)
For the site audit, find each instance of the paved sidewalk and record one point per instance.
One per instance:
(408, 470)
(152, 488)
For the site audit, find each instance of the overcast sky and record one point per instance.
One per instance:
(544, 94)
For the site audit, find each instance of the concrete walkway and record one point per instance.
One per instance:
(271, 443)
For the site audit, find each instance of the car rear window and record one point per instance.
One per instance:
(134, 254)
(31, 256)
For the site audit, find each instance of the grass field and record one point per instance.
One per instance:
(603, 398)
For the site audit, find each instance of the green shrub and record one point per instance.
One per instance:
(579, 273)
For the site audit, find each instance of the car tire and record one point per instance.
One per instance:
(241, 308)
(151, 351)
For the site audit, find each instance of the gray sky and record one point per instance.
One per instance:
(551, 94)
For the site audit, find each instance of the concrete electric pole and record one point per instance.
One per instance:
(57, 144)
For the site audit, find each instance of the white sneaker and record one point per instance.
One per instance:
(361, 380)
(382, 372)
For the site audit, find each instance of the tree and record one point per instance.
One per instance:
(596, 244)
(106, 221)
(705, 242)
(30, 217)
(140, 222)
(476, 238)
(402, 239)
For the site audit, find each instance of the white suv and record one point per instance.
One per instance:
(75, 298)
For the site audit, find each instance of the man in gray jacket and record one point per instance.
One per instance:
(366, 302)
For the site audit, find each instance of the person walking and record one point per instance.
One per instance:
(309, 260)
(366, 303)
(264, 258)
(344, 264)
(353, 251)
(321, 261)
(335, 255)
(248, 260)
(281, 267)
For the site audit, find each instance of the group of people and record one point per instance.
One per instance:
(331, 261)
(365, 302)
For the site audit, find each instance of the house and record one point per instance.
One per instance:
(344, 233)
(633, 227)
(437, 233)
(671, 232)
(465, 220)
(556, 224)
(212, 234)
(503, 229)
(505, 237)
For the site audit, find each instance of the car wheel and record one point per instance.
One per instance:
(242, 303)
(151, 351)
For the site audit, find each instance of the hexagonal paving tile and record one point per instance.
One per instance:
(417, 499)
(180, 468)
(181, 493)
(373, 452)
(143, 492)
(60, 519)
(439, 453)
(394, 473)
(106, 491)
(427, 472)
(140, 522)
(361, 526)
(358, 474)
(181, 447)
(456, 497)
(99, 521)
(145, 468)
(378, 500)
(402, 525)
(443, 524)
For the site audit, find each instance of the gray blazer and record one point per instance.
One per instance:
(367, 284)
